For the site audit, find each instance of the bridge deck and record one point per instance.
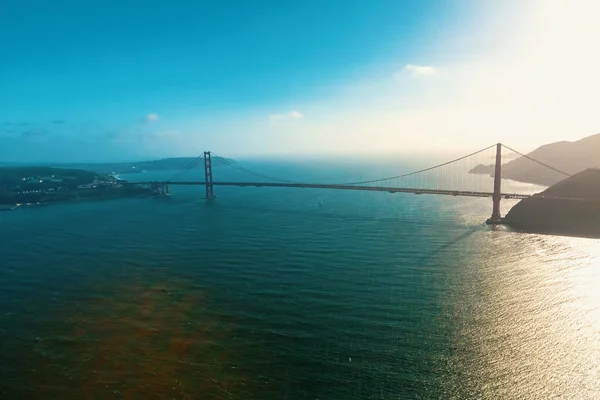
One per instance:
(346, 187)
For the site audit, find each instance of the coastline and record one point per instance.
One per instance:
(570, 207)
(74, 200)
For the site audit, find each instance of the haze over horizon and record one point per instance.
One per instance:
(112, 81)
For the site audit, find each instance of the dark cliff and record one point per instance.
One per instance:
(571, 207)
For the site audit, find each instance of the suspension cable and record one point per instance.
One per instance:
(420, 171)
(257, 174)
(186, 169)
(272, 178)
(536, 161)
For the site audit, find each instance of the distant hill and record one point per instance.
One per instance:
(483, 169)
(570, 157)
(580, 217)
(175, 163)
(19, 176)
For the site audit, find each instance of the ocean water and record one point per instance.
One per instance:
(269, 293)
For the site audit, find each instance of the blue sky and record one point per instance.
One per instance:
(114, 80)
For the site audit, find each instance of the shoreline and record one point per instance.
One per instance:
(32, 205)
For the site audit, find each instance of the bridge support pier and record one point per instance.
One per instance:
(159, 188)
(496, 217)
(208, 178)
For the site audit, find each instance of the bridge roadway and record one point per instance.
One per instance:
(344, 187)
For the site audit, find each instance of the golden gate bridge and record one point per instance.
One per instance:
(451, 178)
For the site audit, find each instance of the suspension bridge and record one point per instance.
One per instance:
(452, 178)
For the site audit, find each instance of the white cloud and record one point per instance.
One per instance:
(152, 117)
(524, 75)
(419, 70)
(537, 84)
(291, 116)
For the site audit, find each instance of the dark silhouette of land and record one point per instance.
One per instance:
(36, 185)
(569, 157)
(574, 209)
(176, 163)
(163, 164)
(126, 167)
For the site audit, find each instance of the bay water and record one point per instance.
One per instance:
(271, 293)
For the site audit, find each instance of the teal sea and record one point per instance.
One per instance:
(270, 293)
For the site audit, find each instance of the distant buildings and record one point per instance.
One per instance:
(35, 179)
(97, 183)
(86, 186)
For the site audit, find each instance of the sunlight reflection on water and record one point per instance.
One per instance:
(533, 321)
(265, 294)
